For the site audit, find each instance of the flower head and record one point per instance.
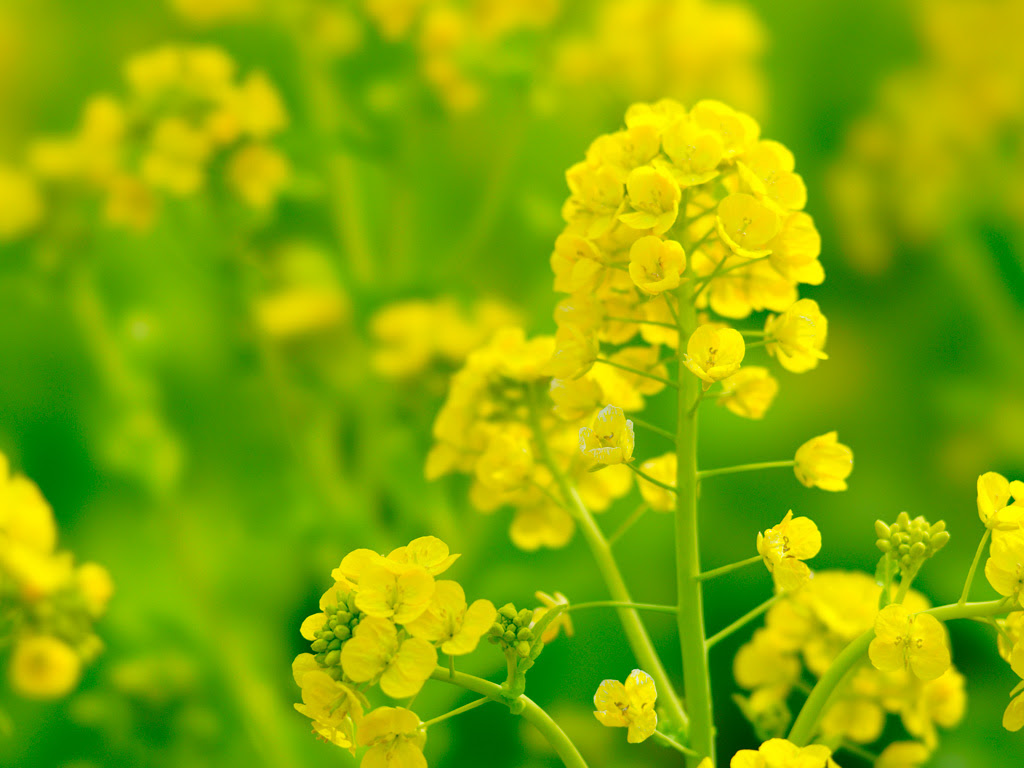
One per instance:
(916, 642)
(714, 354)
(395, 738)
(797, 336)
(610, 439)
(655, 264)
(824, 462)
(629, 705)
(785, 546)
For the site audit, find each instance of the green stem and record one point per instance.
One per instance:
(689, 587)
(531, 712)
(636, 633)
(743, 620)
(636, 371)
(974, 567)
(652, 428)
(459, 711)
(665, 741)
(618, 604)
(640, 473)
(628, 523)
(713, 573)
(807, 721)
(703, 474)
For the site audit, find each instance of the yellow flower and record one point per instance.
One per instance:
(395, 738)
(21, 204)
(574, 354)
(642, 358)
(258, 173)
(299, 312)
(628, 706)
(994, 505)
(610, 439)
(1004, 568)
(767, 169)
(737, 130)
(562, 622)
(43, 667)
(714, 354)
(655, 198)
(749, 392)
(541, 525)
(747, 225)
(575, 399)
(376, 653)
(695, 152)
(391, 590)
(333, 706)
(795, 250)
(507, 462)
(784, 548)
(96, 587)
(427, 552)
(824, 462)
(797, 336)
(655, 264)
(903, 754)
(449, 623)
(909, 641)
(1013, 717)
(780, 753)
(661, 468)
(177, 157)
(26, 519)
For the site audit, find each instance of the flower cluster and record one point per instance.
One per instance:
(186, 114)
(48, 605)
(805, 631)
(382, 624)
(415, 335)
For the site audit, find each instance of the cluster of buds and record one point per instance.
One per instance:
(338, 627)
(910, 542)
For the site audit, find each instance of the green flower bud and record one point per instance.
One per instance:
(332, 659)
(319, 646)
(508, 611)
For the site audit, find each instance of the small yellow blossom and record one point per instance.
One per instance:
(695, 152)
(797, 336)
(642, 358)
(903, 754)
(994, 505)
(1004, 568)
(507, 462)
(780, 753)
(333, 706)
(610, 438)
(916, 642)
(392, 590)
(736, 129)
(427, 552)
(21, 204)
(376, 653)
(395, 738)
(1013, 717)
(662, 468)
(96, 587)
(655, 198)
(449, 623)
(655, 264)
(561, 623)
(747, 225)
(767, 169)
(43, 667)
(784, 548)
(629, 705)
(749, 392)
(258, 173)
(574, 354)
(714, 353)
(575, 399)
(824, 462)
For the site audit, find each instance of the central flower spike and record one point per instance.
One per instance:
(629, 705)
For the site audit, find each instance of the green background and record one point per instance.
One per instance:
(290, 456)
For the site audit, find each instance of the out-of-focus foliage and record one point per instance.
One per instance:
(220, 404)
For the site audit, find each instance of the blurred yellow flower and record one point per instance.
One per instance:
(21, 204)
(824, 462)
(662, 468)
(780, 753)
(903, 754)
(629, 705)
(395, 739)
(916, 642)
(749, 392)
(258, 173)
(43, 667)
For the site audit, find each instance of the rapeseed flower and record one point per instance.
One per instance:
(629, 705)
(909, 641)
(824, 462)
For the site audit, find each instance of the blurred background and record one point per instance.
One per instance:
(198, 375)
